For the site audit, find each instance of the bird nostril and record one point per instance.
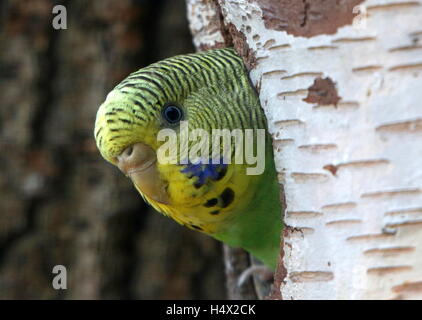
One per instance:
(128, 151)
(134, 157)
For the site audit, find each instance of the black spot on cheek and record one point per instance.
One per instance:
(211, 203)
(197, 185)
(227, 197)
(215, 212)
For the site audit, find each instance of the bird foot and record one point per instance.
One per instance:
(264, 273)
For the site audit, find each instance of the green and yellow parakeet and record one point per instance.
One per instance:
(209, 90)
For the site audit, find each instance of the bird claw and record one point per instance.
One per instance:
(262, 271)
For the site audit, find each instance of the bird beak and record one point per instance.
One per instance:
(139, 163)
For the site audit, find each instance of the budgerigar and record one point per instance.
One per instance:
(207, 90)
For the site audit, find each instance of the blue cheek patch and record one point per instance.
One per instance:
(205, 172)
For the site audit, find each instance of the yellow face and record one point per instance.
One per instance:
(210, 90)
(209, 207)
(131, 145)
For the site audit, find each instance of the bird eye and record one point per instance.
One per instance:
(172, 113)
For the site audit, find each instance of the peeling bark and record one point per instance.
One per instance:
(307, 18)
(206, 25)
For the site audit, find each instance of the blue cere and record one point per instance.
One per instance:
(204, 171)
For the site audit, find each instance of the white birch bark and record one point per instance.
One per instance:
(352, 172)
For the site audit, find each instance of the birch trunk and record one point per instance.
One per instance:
(341, 85)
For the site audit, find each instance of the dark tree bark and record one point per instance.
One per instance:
(60, 202)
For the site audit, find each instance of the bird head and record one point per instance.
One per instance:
(195, 89)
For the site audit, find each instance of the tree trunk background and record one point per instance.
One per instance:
(340, 83)
(60, 202)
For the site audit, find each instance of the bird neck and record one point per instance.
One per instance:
(257, 227)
